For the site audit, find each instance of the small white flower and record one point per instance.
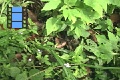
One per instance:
(39, 63)
(39, 51)
(20, 32)
(29, 59)
(67, 65)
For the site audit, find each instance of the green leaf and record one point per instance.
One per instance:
(48, 72)
(63, 26)
(113, 40)
(52, 24)
(112, 37)
(110, 25)
(71, 14)
(72, 18)
(74, 12)
(101, 39)
(118, 31)
(79, 50)
(35, 76)
(92, 47)
(1, 1)
(52, 4)
(2, 20)
(65, 13)
(14, 71)
(38, 56)
(70, 2)
(45, 60)
(79, 31)
(65, 56)
(22, 76)
(80, 72)
(95, 5)
(104, 4)
(115, 2)
(88, 17)
(106, 51)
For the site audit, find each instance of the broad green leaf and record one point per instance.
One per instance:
(70, 2)
(118, 31)
(88, 17)
(105, 48)
(72, 27)
(52, 24)
(85, 17)
(74, 12)
(52, 4)
(22, 76)
(79, 50)
(91, 43)
(92, 47)
(106, 54)
(110, 25)
(79, 31)
(115, 2)
(104, 4)
(84, 33)
(106, 58)
(72, 18)
(63, 26)
(112, 37)
(65, 56)
(65, 13)
(98, 27)
(101, 39)
(71, 14)
(110, 9)
(63, 7)
(36, 74)
(14, 71)
(95, 5)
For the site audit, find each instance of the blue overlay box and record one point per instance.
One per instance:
(16, 16)
(16, 24)
(16, 9)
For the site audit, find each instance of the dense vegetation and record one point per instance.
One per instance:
(66, 40)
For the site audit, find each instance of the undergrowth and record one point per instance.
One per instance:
(66, 40)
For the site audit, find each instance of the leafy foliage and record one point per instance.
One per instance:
(79, 41)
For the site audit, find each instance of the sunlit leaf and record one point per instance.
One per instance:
(52, 4)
